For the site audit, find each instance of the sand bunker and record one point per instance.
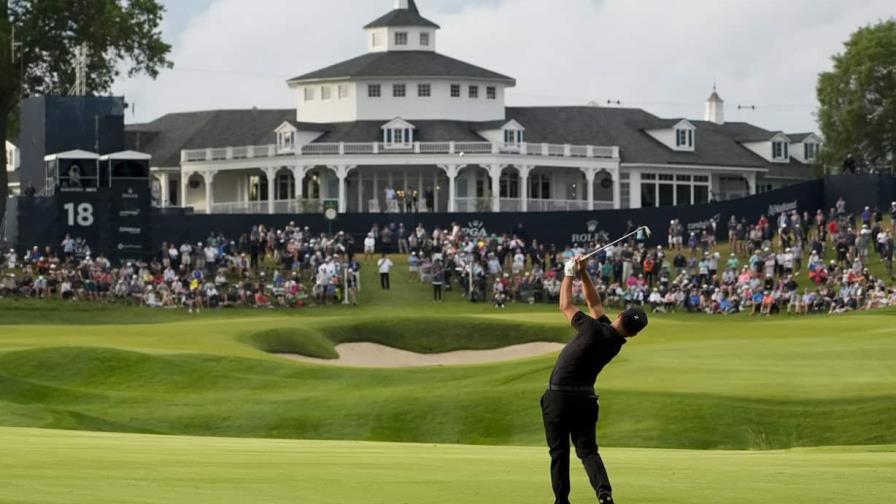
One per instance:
(372, 355)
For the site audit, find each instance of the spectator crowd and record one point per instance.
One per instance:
(787, 263)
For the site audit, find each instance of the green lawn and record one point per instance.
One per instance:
(774, 393)
(52, 467)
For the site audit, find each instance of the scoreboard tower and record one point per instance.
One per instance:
(103, 202)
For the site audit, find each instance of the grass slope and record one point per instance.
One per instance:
(53, 467)
(688, 383)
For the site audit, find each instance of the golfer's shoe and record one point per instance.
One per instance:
(606, 499)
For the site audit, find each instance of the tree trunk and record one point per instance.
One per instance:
(4, 177)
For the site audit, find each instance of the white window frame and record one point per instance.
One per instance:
(455, 90)
(684, 138)
(473, 91)
(401, 38)
(810, 151)
(513, 137)
(424, 90)
(343, 91)
(309, 93)
(374, 90)
(398, 138)
(424, 39)
(689, 180)
(399, 90)
(491, 93)
(325, 93)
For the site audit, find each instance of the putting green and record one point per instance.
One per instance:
(53, 467)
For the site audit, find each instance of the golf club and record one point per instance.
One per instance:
(642, 228)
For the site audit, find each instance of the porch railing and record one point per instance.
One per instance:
(379, 148)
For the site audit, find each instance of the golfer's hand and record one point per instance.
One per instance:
(581, 263)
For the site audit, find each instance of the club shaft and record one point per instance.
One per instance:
(592, 254)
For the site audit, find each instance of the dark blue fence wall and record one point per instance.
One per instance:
(559, 228)
(38, 226)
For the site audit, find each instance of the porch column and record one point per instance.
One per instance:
(209, 177)
(163, 183)
(435, 192)
(590, 175)
(617, 188)
(184, 184)
(751, 182)
(494, 172)
(524, 186)
(634, 189)
(342, 173)
(271, 173)
(451, 172)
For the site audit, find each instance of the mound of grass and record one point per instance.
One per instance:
(293, 340)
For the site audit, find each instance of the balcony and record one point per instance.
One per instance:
(272, 151)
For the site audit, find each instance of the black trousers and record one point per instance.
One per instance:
(569, 416)
(437, 292)
(384, 281)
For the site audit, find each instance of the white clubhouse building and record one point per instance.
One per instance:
(370, 132)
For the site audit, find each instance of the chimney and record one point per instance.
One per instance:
(715, 108)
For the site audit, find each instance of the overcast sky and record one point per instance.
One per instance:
(660, 55)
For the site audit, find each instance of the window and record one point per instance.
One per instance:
(286, 189)
(455, 90)
(374, 90)
(424, 90)
(539, 186)
(510, 185)
(399, 90)
(683, 194)
(325, 93)
(286, 139)
(309, 93)
(343, 91)
(491, 92)
(512, 136)
(401, 38)
(474, 91)
(684, 138)
(424, 39)
(780, 150)
(701, 194)
(810, 151)
(398, 137)
(377, 39)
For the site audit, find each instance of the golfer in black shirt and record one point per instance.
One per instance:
(570, 405)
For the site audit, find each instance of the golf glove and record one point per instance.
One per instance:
(572, 269)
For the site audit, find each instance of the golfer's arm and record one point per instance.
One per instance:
(566, 305)
(595, 303)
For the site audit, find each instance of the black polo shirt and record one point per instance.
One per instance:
(596, 343)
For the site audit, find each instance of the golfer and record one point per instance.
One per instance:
(570, 405)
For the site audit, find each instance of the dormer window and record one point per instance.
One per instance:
(684, 139)
(513, 134)
(398, 134)
(401, 38)
(376, 39)
(286, 140)
(810, 151)
(309, 94)
(780, 151)
(424, 39)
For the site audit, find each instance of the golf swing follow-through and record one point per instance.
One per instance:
(570, 405)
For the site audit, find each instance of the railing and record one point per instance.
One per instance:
(379, 148)
(538, 205)
(263, 207)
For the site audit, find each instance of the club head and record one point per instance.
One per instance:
(647, 231)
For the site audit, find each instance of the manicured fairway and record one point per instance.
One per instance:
(53, 467)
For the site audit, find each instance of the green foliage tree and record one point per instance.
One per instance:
(857, 111)
(121, 36)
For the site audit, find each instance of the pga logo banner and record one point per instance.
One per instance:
(476, 229)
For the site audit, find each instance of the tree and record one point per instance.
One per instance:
(121, 36)
(857, 100)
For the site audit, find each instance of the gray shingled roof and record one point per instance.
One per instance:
(717, 145)
(403, 17)
(624, 127)
(798, 137)
(165, 137)
(745, 132)
(416, 64)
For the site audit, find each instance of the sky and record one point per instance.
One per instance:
(660, 55)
